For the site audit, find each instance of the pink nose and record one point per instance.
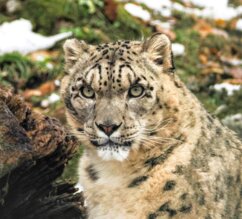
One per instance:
(108, 129)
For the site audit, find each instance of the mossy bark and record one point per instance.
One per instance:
(34, 150)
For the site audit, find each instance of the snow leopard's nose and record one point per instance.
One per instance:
(108, 129)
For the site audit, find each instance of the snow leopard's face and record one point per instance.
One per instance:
(112, 93)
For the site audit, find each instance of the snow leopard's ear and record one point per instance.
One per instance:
(158, 49)
(75, 50)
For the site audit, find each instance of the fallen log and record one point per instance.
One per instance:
(34, 150)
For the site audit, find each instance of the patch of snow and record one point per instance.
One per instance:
(239, 24)
(137, 11)
(12, 6)
(54, 98)
(26, 40)
(161, 6)
(57, 83)
(178, 49)
(44, 103)
(40, 58)
(212, 9)
(231, 61)
(230, 88)
(209, 3)
(156, 4)
(50, 100)
(164, 25)
(49, 65)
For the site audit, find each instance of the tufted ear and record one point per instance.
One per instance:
(158, 49)
(74, 50)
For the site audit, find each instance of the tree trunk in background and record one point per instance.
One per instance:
(34, 150)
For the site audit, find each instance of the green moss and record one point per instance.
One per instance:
(70, 172)
(184, 21)
(45, 13)
(3, 18)
(217, 43)
(234, 104)
(15, 69)
(235, 3)
(20, 72)
(188, 64)
(84, 33)
(212, 100)
(126, 23)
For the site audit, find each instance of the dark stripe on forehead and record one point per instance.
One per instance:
(91, 80)
(130, 68)
(129, 75)
(85, 76)
(130, 79)
(99, 72)
(136, 81)
(90, 72)
(121, 67)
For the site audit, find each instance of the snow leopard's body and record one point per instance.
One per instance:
(151, 150)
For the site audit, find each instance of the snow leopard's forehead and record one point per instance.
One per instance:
(113, 66)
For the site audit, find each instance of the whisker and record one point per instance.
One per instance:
(159, 123)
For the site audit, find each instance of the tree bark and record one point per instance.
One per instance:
(34, 150)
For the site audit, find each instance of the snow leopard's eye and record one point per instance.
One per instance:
(136, 91)
(87, 92)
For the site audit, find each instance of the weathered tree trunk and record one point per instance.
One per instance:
(34, 150)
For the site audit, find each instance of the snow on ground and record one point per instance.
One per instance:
(164, 25)
(230, 88)
(26, 40)
(218, 9)
(213, 11)
(239, 25)
(53, 98)
(178, 49)
(209, 3)
(161, 6)
(137, 11)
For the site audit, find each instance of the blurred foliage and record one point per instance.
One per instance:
(85, 18)
(234, 104)
(189, 63)
(235, 2)
(15, 69)
(71, 171)
(20, 72)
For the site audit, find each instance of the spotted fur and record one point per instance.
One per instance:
(167, 157)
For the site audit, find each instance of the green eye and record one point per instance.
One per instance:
(87, 92)
(136, 91)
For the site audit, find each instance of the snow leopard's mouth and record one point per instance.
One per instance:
(110, 143)
(112, 151)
